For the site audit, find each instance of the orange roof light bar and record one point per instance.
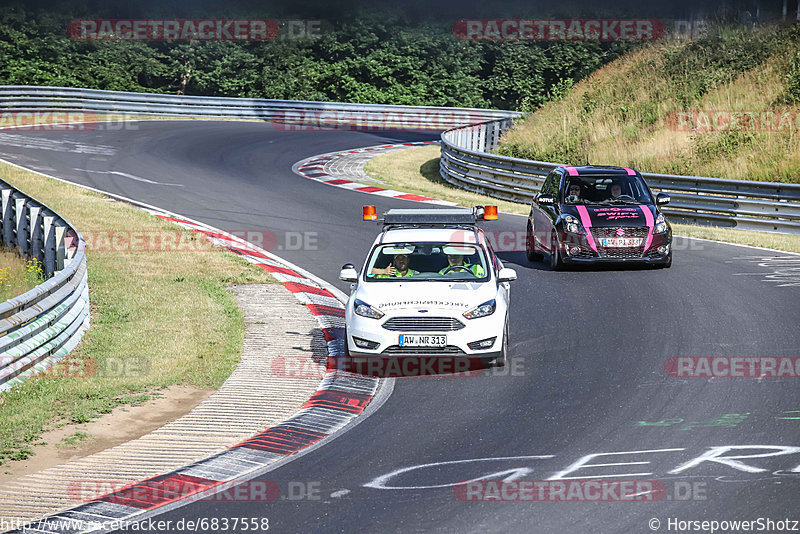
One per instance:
(490, 213)
(370, 213)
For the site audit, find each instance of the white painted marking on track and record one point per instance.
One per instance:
(131, 176)
(340, 493)
(582, 463)
(715, 454)
(513, 474)
(62, 145)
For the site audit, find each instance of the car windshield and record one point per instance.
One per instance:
(427, 261)
(607, 189)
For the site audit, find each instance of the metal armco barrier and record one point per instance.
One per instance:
(21, 98)
(467, 162)
(40, 327)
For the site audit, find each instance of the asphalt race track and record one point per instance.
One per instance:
(586, 372)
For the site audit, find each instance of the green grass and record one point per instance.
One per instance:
(74, 439)
(158, 319)
(625, 113)
(18, 275)
(416, 170)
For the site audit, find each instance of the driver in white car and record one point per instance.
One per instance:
(457, 260)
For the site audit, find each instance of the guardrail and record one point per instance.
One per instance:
(43, 325)
(467, 162)
(23, 98)
(39, 327)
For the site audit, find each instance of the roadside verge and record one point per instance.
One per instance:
(338, 400)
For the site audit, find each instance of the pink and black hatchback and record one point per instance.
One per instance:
(598, 214)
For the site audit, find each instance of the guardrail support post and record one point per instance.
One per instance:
(49, 245)
(35, 223)
(21, 223)
(7, 218)
(482, 138)
(61, 252)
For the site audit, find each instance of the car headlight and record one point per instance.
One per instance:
(572, 224)
(484, 310)
(661, 224)
(365, 310)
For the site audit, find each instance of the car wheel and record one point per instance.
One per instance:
(501, 360)
(667, 264)
(556, 263)
(530, 245)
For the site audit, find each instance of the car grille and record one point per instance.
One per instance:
(621, 254)
(583, 254)
(423, 324)
(397, 349)
(611, 231)
(625, 231)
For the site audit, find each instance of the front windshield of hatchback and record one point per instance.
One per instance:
(606, 189)
(427, 261)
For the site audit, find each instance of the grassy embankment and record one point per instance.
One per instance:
(626, 114)
(630, 111)
(159, 318)
(17, 275)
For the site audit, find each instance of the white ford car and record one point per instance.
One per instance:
(431, 286)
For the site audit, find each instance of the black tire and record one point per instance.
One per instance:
(500, 361)
(556, 263)
(530, 246)
(667, 264)
(346, 347)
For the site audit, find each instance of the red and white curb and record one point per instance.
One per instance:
(314, 168)
(339, 400)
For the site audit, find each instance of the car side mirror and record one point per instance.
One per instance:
(506, 275)
(662, 199)
(348, 273)
(546, 199)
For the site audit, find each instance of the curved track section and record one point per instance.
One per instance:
(586, 393)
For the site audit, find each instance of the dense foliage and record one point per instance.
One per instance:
(384, 58)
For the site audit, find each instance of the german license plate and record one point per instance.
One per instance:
(422, 341)
(621, 242)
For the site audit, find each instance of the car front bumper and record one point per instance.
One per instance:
(576, 250)
(457, 344)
